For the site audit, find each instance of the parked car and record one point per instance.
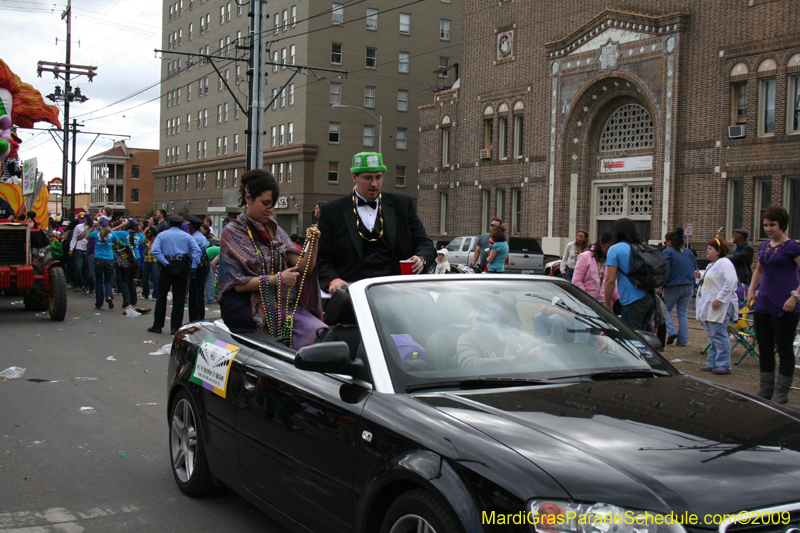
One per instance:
(408, 422)
(525, 256)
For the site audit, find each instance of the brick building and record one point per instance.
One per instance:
(569, 115)
(391, 52)
(122, 178)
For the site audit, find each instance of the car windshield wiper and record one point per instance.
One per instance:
(477, 383)
(626, 373)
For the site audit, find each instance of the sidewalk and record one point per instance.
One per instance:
(689, 359)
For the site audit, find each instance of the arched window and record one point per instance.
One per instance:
(630, 127)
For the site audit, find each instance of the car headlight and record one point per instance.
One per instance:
(556, 516)
(42, 252)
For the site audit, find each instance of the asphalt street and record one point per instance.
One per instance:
(83, 432)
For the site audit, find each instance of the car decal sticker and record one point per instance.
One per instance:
(644, 350)
(213, 364)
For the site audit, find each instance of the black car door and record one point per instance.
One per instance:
(297, 440)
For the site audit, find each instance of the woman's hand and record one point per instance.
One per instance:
(716, 303)
(316, 233)
(751, 296)
(697, 274)
(289, 276)
(790, 304)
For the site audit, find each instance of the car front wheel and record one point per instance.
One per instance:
(419, 511)
(187, 450)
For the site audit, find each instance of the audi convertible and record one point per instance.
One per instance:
(475, 403)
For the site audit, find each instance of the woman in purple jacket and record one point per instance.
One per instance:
(776, 312)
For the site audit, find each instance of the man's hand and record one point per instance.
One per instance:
(336, 285)
(716, 303)
(418, 265)
(192, 273)
(70, 253)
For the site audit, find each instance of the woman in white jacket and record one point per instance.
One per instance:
(716, 302)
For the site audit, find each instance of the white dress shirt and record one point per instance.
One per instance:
(367, 214)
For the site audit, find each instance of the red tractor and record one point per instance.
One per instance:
(27, 268)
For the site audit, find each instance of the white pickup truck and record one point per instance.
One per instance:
(525, 256)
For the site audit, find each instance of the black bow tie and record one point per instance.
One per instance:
(373, 204)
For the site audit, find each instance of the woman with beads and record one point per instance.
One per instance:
(266, 284)
(776, 311)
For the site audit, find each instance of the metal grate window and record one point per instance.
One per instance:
(640, 200)
(628, 128)
(612, 201)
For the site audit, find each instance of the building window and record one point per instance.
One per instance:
(273, 136)
(188, 151)
(274, 99)
(224, 178)
(291, 94)
(444, 30)
(205, 154)
(225, 112)
(791, 201)
(518, 132)
(288, 172)
(283, 97)
(333, 132)
(337, 14)
(135, 171)
(402, 61)
(739, 103)
(275, 61)
(336, 93)
(292, 53)
(219, 145)
(197, 182)
(402, 100)
(445, 147)
(189, 93)
(766, 105)
(405, 23)
(333, 172)
(186, 182)
(225, 145)
(443, 213)
(444, 67)
(205, 118)
(188, 122)
(290, 138)
(221, 15)
(280, 173)
(285, 19)
(235, 177)
(283, 58)
(372, 19)
(336, 53)
(502, 138)
(294, 15)
(219, 113)
(135, 195)
(281, 134)
(369, 135)
(402, 138)
(735, 210)
(763, 201)
(500, 206)
(369, 96)
(372, 58)
(277, 22)
(203, 183)
(516, 211)
(235, 143)
(488, 133)
(628, 128)
(794, 105)
(486, 199)
(218, 181)
(399, 176)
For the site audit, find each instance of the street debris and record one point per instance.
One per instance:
(13, 372)
(141, 404)
(110, 358)
(164, 350)
(43, 313)
(16, 303)
(122, 453)
(148, 342)
(130, 312)
(80, 318)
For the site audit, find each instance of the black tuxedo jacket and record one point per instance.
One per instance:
(341, 247)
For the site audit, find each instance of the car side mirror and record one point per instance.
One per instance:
(327, 358)
(651, 339)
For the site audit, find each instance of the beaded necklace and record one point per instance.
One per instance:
(280, 322)
(360, 226)
(772, 251)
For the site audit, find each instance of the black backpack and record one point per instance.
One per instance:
(648, 268)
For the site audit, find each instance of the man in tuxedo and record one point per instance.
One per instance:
(366, 233)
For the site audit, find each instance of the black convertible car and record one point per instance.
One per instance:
(475, 403)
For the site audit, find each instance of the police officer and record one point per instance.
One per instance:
(178, 257)
(197, 303)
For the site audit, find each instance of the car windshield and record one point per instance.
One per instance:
(456, 331)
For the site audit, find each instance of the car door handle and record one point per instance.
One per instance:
(250, 381)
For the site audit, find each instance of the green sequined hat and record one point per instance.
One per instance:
(367, 162)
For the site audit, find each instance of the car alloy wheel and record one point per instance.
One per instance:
(187, 449)
(412, 523)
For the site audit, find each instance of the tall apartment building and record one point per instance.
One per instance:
(392, 54)
(572, 114)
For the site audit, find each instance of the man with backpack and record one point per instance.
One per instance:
(638, 269)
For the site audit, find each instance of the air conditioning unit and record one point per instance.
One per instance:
(736, 132)
(486, 153)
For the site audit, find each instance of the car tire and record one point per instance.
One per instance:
(187, 448)
(419, 510)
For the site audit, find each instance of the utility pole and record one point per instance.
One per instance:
(67, 70)
(255, 116)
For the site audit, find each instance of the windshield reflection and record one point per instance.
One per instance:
(449, 331)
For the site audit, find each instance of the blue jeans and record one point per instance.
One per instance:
(568, 273)
(150, 271)
(127, 278)
(104, 270)
(90, 262)
(719, 353)
(210, 286)
(680, 295)
(639, 313)
(78, 256)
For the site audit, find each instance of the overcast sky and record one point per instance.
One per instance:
(118, 37)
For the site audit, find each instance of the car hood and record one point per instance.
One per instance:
(662, 444)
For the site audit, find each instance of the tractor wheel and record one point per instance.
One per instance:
(58, 301)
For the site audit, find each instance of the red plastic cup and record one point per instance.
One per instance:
(406, 267)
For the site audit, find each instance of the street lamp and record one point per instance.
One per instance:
(379, 119)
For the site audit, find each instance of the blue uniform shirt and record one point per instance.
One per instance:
(201, 241)
(175, 242)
